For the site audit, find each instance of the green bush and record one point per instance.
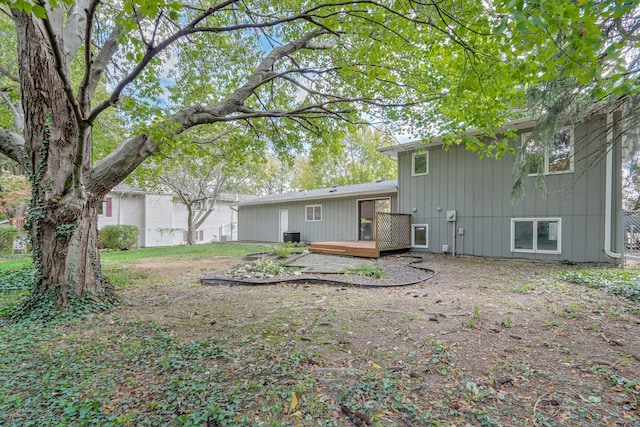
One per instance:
(8, 234)
(118, 237)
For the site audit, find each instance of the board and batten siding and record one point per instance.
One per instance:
(339, 219)
(480, 192)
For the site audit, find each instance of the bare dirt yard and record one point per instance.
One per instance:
(486, 342)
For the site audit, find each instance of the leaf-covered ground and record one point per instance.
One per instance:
(487, 342)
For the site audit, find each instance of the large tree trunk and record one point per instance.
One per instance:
(63, 216)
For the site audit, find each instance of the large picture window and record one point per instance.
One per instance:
(420, 163)
(419, 235)
(314, 213)
(536, 235)
(549, 160)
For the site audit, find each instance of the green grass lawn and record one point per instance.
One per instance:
(16, 275)
(13, 262)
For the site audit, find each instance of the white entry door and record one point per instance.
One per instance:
(284, 225)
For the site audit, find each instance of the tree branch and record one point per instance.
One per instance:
(195, 115)
(61, 68)
(18, 117)
(152, 53)
(84, 94)
(99, 65)
(74, 29)
(5, 72)
(12, 146)
(120, 163)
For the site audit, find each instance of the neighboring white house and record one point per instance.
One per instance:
(162, 218)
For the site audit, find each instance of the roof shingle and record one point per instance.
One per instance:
(325, 193)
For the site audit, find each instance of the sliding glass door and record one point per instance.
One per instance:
(367, 216)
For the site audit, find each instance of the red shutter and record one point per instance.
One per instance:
(109, 207)
(201, 235)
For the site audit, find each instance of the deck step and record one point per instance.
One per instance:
(321, 249)
(344, 248)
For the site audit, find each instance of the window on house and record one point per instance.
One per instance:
(314, 213)
(419, 235)
(556, 159)
(536, 235)
(105, 207)
(420, 163)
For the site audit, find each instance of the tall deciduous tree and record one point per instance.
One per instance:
(269, 175)
(198, 187)
(358, 161)
(285, 71)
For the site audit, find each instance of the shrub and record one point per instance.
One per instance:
(8, 234)
(269, 266)
(118, 237)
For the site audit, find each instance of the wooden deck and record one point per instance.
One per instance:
(359, 249)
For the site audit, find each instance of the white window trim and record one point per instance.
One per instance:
(306, 219)
(546, 155)
(413, 163)
(413, 236)
(535, 240)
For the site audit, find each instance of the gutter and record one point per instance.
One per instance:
(608, 220)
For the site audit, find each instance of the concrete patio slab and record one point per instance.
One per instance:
(327, 264)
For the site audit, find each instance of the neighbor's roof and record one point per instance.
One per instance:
(232, 198)
(368, 189)
(520, 124)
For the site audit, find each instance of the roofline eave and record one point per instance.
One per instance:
(320, 197)
(394, 150)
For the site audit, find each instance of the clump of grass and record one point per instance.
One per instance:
(285, 249)
(616, 282)
(368, 271)
(280, 251)
(507, 322)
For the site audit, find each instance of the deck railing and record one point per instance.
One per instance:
(393, 231)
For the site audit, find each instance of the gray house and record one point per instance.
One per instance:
(462, 205)
(336, 214)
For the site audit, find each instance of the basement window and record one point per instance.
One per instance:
(536, 235)
(419, 235)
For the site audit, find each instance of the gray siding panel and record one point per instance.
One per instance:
(339, 219)
(480, 191)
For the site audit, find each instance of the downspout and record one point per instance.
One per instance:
(609, 191)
